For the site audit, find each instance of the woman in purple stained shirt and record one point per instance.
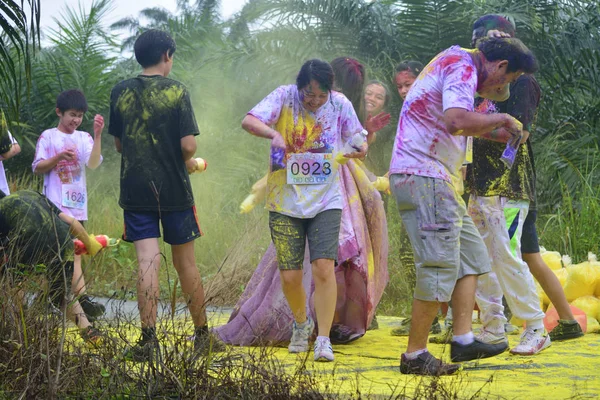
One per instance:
(262, 315)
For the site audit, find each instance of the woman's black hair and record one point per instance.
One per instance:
(318, 70)
(349, 79)
(388, 96)
(414, 67)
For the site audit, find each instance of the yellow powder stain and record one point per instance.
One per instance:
(292, 130)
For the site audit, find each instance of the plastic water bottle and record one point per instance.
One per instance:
(354, 145)
(356, 142)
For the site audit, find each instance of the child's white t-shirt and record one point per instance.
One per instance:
(3, 181)
(65, 184)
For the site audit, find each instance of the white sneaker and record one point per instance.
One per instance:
(323, 350)
(532, 342)
(488, 337)
(300, 336)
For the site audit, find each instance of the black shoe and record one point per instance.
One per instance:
(91, 336)
(426, 364)
(444, 337)
(341, 334)
(566, 330)
(143, 350)
(207, 343)
(92, 309)
(475, 350)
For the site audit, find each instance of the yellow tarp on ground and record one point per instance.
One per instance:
(370, 366)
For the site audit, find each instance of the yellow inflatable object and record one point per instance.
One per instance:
(592, 325)
(590, 305)
(581, 280)
(561, 274)
(553, 259)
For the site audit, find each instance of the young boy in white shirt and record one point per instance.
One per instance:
(61, 155)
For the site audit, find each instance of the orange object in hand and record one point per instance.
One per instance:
(80, 247)
(201, 165)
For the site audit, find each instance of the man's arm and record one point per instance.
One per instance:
(503, 136)
(466, 123)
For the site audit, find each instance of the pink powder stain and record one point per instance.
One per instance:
(419, 106)
(433, 145)
(446, 61)
(467, 74)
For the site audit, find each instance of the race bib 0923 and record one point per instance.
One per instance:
(310, 169)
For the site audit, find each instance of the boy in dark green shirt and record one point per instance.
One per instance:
(153, 123)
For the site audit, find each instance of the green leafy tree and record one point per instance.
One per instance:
(19, 39)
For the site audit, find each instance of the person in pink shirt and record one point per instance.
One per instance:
(61, 156)
(425, 178)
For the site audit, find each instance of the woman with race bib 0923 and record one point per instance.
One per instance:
(308, 125)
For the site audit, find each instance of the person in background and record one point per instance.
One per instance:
(502, 205)
(8, 149)
(61, 156)
(34, 231)
(406, 74)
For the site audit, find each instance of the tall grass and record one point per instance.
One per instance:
(573, 228)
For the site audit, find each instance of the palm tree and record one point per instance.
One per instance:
(82, 55)
(20, 37)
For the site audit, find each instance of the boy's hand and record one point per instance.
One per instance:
(191, 165)
(98, 125)
(67, 155)
(497, 34)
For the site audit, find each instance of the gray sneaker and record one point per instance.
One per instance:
(300, 336)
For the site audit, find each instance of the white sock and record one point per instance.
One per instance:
(464, 339)
(413, 355)
(323, 338)
(535, 325)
